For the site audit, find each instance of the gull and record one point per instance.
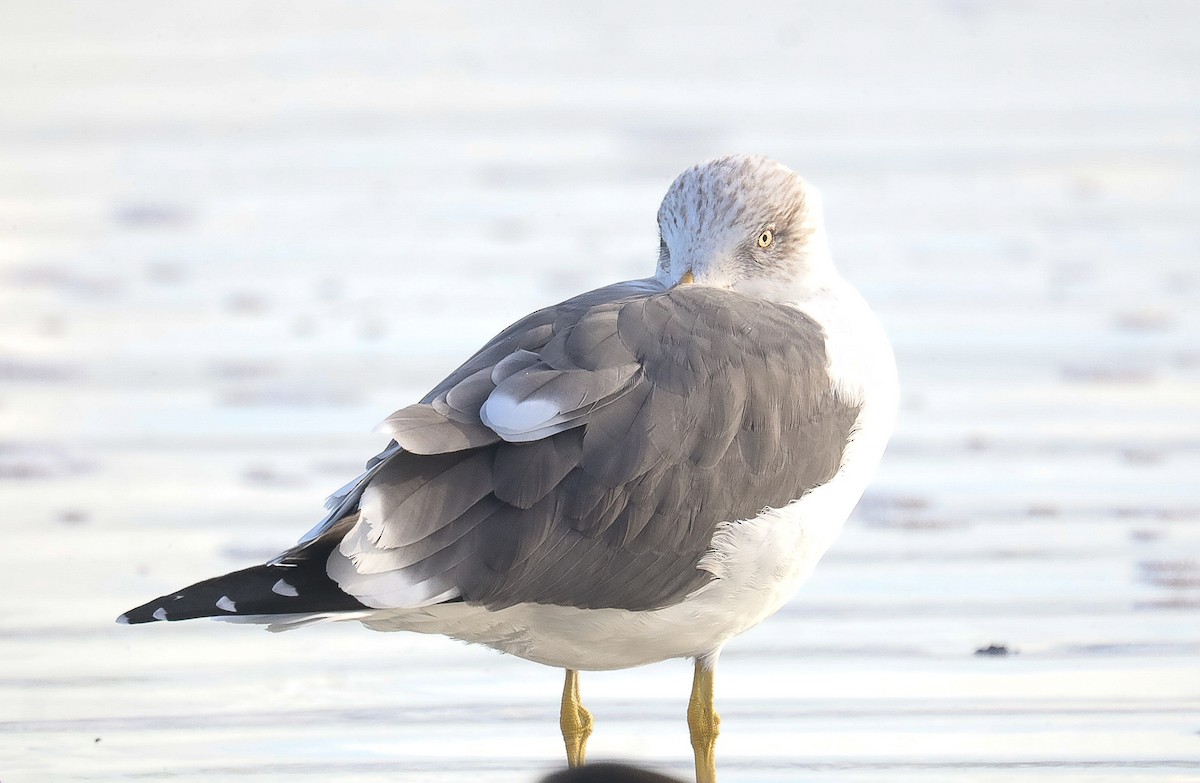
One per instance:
(639, 473)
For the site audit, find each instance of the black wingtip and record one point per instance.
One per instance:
(151, 612)
(297, 582)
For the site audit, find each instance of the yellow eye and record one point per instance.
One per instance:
(766, 238)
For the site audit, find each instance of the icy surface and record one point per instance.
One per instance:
(234, 237)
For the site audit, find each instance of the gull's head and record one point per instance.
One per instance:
(745, 223)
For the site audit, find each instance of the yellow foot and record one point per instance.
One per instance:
(704, 724)
(575, 721)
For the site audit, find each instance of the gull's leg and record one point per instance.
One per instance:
(704, 724)
(575, 721)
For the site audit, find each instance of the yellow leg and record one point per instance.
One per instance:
(575, 721)
(704, 724)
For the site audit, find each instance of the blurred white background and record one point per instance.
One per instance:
(235, 236)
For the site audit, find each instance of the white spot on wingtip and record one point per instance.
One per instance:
(283, 588)
(224, 602)
(123, 619)
(159, 614)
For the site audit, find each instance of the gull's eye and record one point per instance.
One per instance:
(766, 238)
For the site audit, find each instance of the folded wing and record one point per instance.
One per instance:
(586, 455)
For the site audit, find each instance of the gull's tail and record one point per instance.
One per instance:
(295, 583)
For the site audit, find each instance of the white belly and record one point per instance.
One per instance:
(757, 564)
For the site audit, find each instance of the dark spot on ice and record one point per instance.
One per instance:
(1144, 320)
(337, 467)
(246, 303)
(1187, 360)
(166, 272)
(905, 512)
(38, 462)
(150, 215)
(977, 442)
(63, 280)
(1169, 604)
(263, 475)
(995, 650)
(73, 516)
(1176, 574)
(1135, 455)
(23, 370)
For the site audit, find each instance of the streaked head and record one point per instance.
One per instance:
(745, 223)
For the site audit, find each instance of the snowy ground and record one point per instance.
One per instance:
(233, 237)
